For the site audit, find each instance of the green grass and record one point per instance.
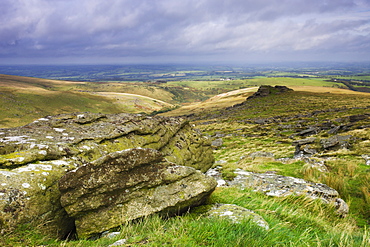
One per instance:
(294, 221)
(21, 108)
(243, 136)
(236, 84)
(20, 105)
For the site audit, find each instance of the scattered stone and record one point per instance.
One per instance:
(277, 185)
(110, 234)
(309, 131)
(237, 214)
(217, 143)
(316, 163)
(119, 243)
(336, 142)
(216, 174)
(308, 150)
(261, 154)
(334, 130)
(220, 162)
(341, 206)
(304, 141)
(219, 134)
(261, 121)
(305, 147)
(356, 118)
(366, 158)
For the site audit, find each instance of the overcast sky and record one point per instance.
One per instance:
(124, 31)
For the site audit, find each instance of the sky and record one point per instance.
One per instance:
(195, 31)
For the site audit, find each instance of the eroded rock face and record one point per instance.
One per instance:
(88, 136)
(128, 185)
(30, 194)
(34, 157)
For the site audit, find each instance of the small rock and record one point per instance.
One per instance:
(217, 143)
(216, 174)
(356, 118)
(366, 158)
(309, 131)
(219, 135)
(110, 234)
(119, 242)
(237, 214)
(342, 207)
(334, 130)
(336, 142)
(314, 163)
(304, 141)
(261, 154)
(220, 162)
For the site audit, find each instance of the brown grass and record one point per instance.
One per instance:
(217, 102)
(314, 89)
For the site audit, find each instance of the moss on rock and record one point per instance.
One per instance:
(35, 156)
(128, 185)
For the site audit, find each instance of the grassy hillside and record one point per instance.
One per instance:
(269, 124)
(19, 108)
(25, 99)
(231, 98)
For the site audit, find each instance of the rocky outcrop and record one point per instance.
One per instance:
(128, 185)
(312, 145)
(267, 90)
(88, 136)
(34, 157)
(272, 184)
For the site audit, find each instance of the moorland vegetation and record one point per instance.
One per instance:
(317, 108)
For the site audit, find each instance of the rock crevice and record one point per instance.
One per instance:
(34, 157)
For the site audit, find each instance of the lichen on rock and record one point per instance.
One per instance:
(128, 185)
(272, 184)
(237, 214)
(34, 157)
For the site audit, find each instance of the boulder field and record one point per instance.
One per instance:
(89, 173)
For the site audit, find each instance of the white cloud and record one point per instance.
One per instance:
(176, 27)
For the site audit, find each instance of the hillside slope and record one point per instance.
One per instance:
(25, 99)
(279, 125)
(260, 135)
(234, 97)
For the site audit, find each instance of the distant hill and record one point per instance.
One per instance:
(235, 97)
(24, 99)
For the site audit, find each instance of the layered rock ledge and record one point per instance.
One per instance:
(128, 185)
(34, 157)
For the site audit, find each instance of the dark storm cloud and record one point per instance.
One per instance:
(146, 28)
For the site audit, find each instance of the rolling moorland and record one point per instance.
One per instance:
(260, 134)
